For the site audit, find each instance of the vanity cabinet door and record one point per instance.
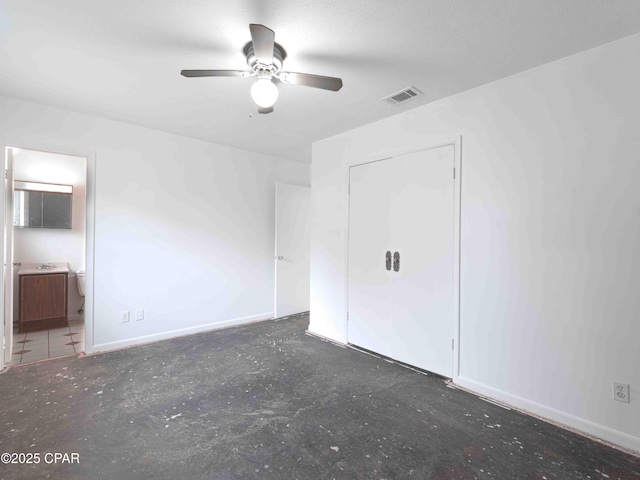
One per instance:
(43, 301)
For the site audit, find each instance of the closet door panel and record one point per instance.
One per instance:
(369, 240)
(422, 202)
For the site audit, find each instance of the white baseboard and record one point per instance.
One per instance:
(327, 335)
(571, 422)
(182, 332)
(326, 339)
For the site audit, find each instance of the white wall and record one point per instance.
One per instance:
(550, 228)
(41, 245)
(184, 229)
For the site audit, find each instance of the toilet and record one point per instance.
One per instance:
(80, 275)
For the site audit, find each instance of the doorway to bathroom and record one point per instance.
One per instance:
(45, 252)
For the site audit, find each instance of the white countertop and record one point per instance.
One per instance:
(43, 268)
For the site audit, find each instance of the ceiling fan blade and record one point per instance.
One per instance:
(317, 81)
(265, 110)
(215, 73)
(263, 40)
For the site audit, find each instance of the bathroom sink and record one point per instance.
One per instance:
(43, 268)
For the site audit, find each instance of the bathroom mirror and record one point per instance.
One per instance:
(41, 205)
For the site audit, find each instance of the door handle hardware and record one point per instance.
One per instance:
(279, 257)
(396, 262)
(387, 260)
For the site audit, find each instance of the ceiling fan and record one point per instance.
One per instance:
(264, 58)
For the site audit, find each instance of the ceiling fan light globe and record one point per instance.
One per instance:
(264, 93)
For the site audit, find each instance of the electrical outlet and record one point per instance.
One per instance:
(124, 317)
(621, 392)
(140, 314)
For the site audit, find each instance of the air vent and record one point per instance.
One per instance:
(402, 96)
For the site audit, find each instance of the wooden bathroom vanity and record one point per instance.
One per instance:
(43, 297)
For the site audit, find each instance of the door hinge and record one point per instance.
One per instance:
(454, 173)
(6, 174)
(452, 344)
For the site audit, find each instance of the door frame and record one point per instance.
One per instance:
(456, 142)
(90, 157)
(7, 252)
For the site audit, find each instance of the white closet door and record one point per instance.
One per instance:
(404, 205)
(369, 240)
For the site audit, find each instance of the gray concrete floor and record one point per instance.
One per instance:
(267, 401)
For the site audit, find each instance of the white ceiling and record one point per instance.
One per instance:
(121, 59)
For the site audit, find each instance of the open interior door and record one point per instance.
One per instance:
(8, 257)
(292, 256)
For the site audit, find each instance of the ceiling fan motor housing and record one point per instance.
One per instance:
(264, 58)
(265, 70)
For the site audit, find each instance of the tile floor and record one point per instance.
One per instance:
(56, 342)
